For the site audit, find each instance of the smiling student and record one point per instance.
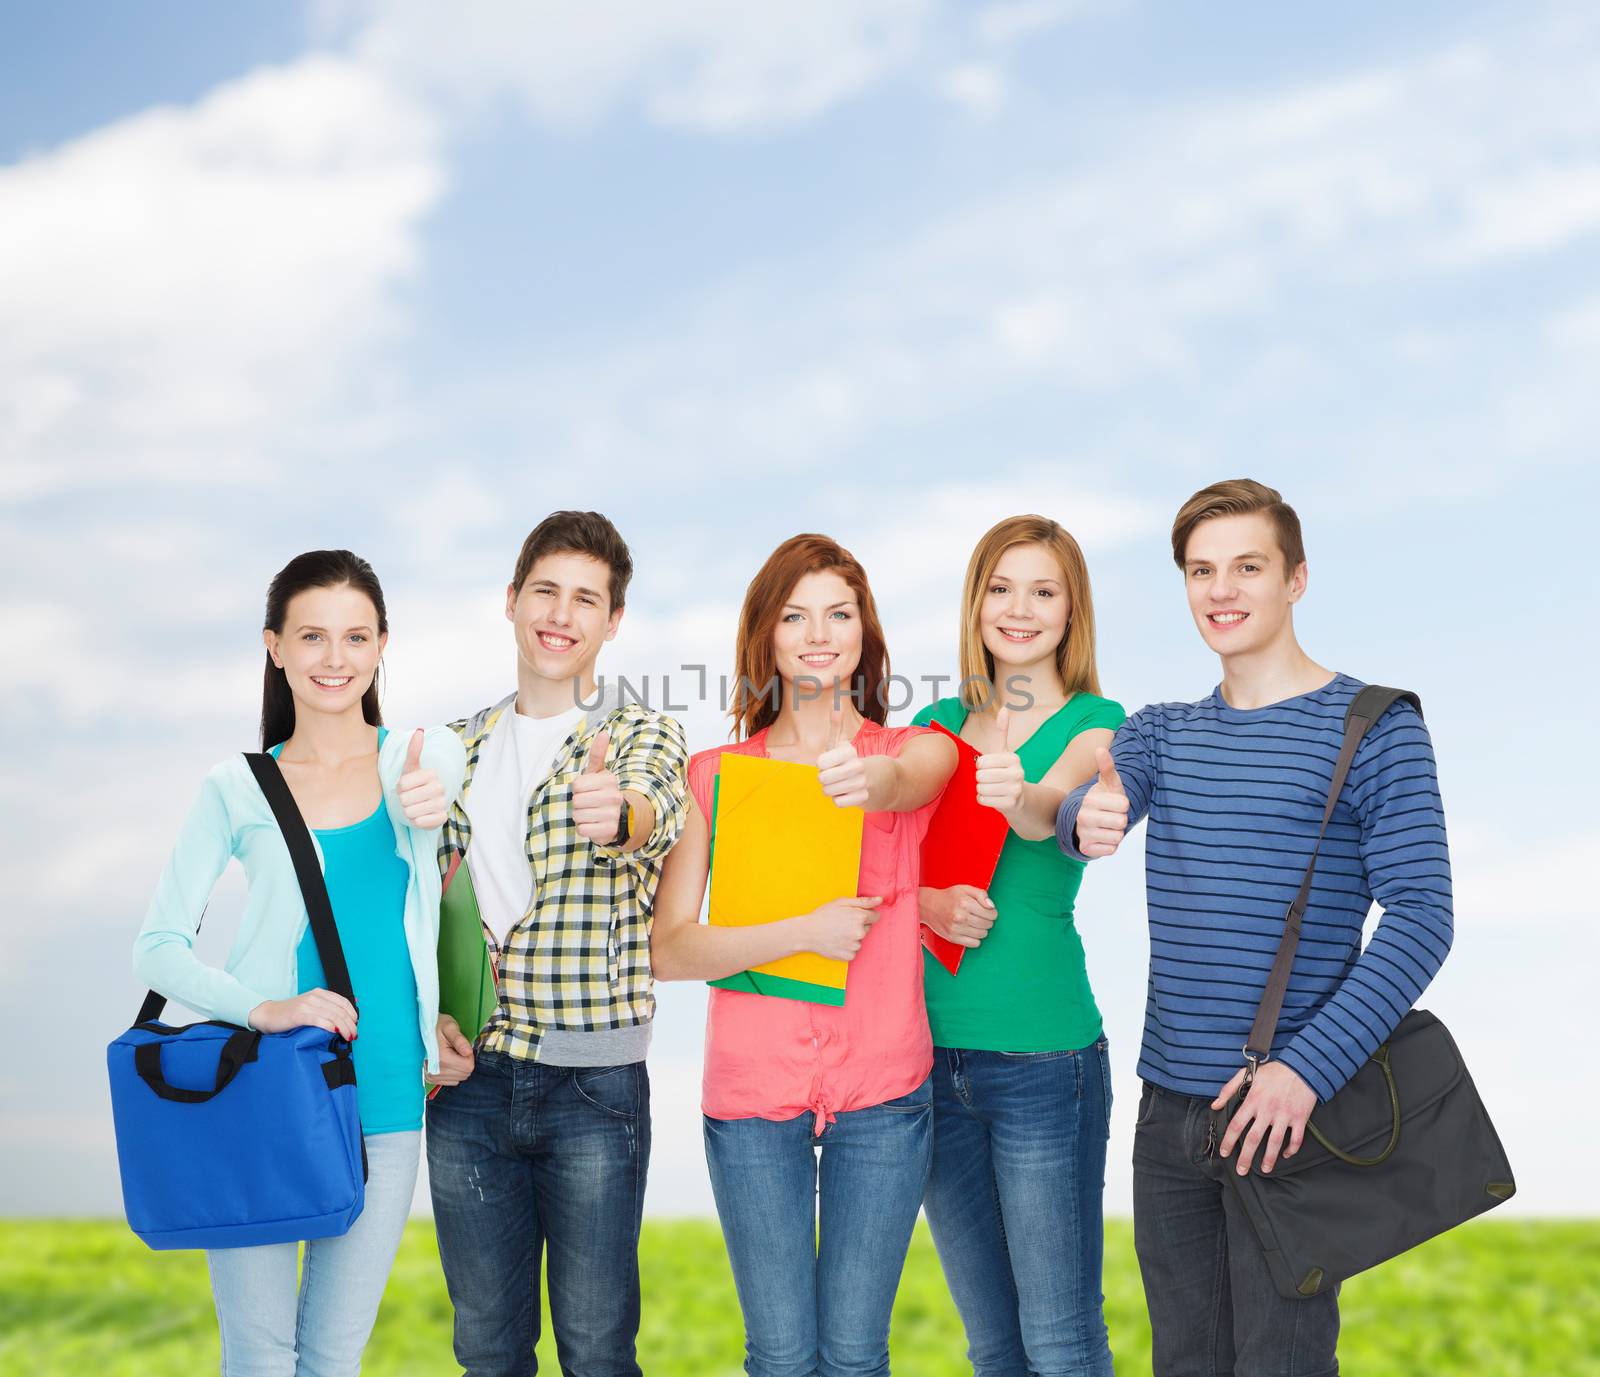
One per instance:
(1234, 787)
(373, 801)
(784, 1077)
(565, 817)
(1021, 1071)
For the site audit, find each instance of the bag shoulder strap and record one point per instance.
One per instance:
(313, 888)
(1369, 704)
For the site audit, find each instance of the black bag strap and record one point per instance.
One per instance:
(306, 868)
(307, 871)
(1364, 711)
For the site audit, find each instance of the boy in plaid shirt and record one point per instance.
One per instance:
(539, 1138)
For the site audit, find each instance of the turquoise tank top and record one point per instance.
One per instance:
(367, 882)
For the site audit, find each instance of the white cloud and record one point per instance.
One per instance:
(704, 64)
(1001, 25)
(715, 66)
(1185, 259)
(1533, 210)
(185, 288)
(978, 87)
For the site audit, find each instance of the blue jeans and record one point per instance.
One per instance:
(1014, 1204)
(526, 1160)
(1214, 1311)
(810, 1310)
(274, 1324)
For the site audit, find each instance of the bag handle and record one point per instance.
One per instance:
(240, 1048)
(1381, 1056)
(313, 888)
(1365, 709)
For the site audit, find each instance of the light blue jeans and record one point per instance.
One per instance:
(1014, 1204)
(275, 1324)
(820, 1307)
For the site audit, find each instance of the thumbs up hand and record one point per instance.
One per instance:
(1000, 777)
(421, 794)
(842, 772)
(597, 801)
(1103, 815)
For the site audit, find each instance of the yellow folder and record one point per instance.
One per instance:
(780, 848)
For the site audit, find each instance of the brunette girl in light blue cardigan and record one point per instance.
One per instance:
(231, 818)
(373, 802)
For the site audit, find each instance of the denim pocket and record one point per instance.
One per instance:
(1038, 1056)
(613, 1090)
(919, 1099)
(1102, 1059)
(1147, 1105)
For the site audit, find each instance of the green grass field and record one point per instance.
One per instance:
(1502, 1300)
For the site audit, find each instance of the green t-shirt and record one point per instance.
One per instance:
(1025, 987)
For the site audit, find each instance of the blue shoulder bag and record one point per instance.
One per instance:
(228, 1137)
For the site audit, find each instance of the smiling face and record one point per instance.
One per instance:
(562, 615)
(818, 636)
(1241, 592)
(1025, 609)
(328, 649)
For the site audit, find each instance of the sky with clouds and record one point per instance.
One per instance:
(405, 278)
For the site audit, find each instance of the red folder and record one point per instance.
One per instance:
(962, 845)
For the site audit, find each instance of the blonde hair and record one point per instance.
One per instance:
(1075, 661)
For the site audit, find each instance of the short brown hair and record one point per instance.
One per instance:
(755, 705)
(578, 533)
(1075, 654)
(1240, 497)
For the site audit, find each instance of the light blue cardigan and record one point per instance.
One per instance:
(232, 818)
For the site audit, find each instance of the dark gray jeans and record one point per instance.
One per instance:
(1214, 1311)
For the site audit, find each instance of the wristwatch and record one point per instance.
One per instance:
(624, 825)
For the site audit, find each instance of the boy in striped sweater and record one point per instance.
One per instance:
(1234, 788)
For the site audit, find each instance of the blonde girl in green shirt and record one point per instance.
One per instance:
(1021, 1077)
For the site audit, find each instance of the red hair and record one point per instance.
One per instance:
(756, 689)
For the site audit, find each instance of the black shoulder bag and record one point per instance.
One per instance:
(1403, 1152)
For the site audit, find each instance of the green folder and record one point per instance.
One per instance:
(466, 977)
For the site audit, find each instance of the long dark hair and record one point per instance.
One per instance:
(314, 569)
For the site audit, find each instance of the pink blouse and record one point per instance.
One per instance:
(772, 1058)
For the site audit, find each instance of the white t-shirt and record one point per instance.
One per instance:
(517, 758)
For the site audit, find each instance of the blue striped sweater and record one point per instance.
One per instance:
(1234, 799)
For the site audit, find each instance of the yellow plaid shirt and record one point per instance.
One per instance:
(579, 959)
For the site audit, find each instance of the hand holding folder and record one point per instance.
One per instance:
(962, 844)
(780, 848)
